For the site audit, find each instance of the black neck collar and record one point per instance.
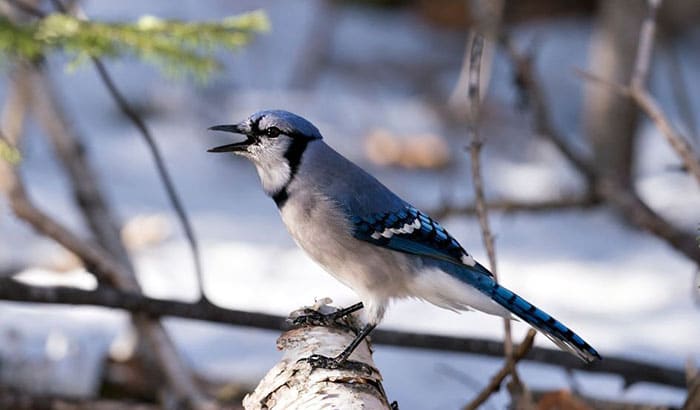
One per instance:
(293, 156)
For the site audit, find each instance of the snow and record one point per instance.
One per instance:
(624, 291)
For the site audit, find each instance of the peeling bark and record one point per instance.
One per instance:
(294, 384)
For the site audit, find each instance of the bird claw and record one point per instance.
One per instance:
(318, 361)
(314, 318)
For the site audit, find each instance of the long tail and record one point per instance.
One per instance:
(556, 331)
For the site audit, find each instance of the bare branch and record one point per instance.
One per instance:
(481, 210)
(495, 383)
(16, 400)
(637, 90)
(674, 138)
(107, 270)
(145, 132)
(631, 208)
(631, 371)
(513, 206)
(645, 48)
(71, 151)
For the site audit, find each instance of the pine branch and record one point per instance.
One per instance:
(176, 47)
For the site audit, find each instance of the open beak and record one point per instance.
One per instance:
(237, 146)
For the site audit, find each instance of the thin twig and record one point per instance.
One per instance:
(630, 370)
(145, 132)
(495, 383)
(645, 48)
(474, 150)
(160, 165)
(644, 99)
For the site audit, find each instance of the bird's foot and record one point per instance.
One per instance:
(318, 361)
(312, 317)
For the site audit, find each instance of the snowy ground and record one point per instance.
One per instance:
(625, 292)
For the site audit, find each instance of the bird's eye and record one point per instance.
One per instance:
(272, 132)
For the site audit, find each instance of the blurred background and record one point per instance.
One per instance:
(594, 214)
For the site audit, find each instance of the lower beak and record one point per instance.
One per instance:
(237, 146)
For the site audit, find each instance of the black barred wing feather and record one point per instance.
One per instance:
(411, 231)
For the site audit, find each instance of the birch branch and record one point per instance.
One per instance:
(294, 384)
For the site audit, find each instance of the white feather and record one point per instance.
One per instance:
(441, 289)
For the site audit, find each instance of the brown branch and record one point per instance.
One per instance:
(624, 199)
(20, 400)
(630, 370)
(646, 102)
(107, 270)
(637, 90)
(70, 150)
(481, 210)
(495, 383)
(512, 206)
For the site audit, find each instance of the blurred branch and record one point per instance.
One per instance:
(102, 265)
(512, 206)
(637, 90)
(693, 378)
(109, 271)
(563, 399)
(630, 370)
(631, 208)
(495, 383)
(475, 146)
(163, 173)
(16, 400)
(69, 148)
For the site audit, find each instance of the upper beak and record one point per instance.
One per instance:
(237, 146)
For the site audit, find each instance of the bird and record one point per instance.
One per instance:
(370, 239)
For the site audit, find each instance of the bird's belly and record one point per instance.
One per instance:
(323, 232)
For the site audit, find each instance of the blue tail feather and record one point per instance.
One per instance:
(561, 335)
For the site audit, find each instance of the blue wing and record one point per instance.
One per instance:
(411, 231)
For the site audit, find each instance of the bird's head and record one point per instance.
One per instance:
(275, 141)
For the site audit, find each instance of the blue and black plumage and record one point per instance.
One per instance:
(367, 237)
(429, 239)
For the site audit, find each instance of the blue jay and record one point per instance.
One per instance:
(370, 239)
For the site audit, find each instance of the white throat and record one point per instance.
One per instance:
(272, 165)
(274, 177)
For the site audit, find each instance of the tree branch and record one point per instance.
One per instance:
(495, 383)
(475, 145)
(630, 370)
(624, 199)
(513, 206)
(107, 270)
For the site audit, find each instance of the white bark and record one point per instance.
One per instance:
(294, 384)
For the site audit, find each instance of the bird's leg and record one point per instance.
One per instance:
(314, 318)
(341, 361)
